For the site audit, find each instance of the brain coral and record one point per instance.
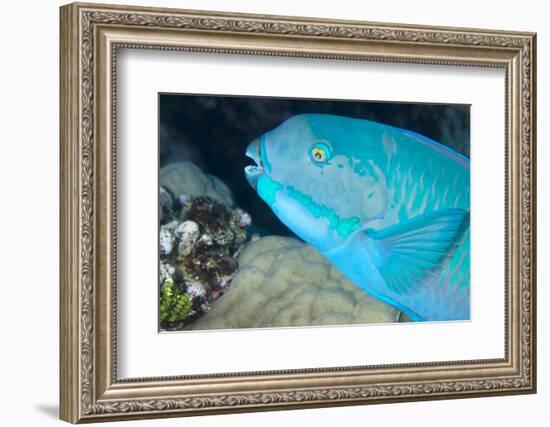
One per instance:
(188, 179)
(283, 282)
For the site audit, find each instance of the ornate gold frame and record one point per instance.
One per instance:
(90, 36)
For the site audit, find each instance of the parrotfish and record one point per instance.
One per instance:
(388, 207)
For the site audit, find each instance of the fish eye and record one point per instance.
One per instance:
(320, 153)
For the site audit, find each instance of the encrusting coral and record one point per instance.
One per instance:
(284, 282)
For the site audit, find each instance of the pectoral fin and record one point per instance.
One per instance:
(407, 252)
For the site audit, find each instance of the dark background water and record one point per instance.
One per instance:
(214, 131)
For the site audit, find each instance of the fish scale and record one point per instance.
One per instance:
(457, 268)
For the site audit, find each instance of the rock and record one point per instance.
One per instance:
(284, 282)
(187, 179)
(196, 289)
(167, 238)
(166, 204)
(243, 218)
(187, 233)
(197, 258)
(166, 272)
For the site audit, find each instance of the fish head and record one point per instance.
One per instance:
(313, 178)
(272, 153)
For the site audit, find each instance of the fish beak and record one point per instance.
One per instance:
(253, 172)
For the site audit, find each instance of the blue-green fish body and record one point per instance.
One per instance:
(388, 207)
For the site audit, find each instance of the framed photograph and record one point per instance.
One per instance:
(267, 212)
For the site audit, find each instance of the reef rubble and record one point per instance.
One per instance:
(197, 247)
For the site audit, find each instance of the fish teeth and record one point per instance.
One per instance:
(253, 152)
(253, 169)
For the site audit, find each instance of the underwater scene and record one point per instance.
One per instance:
(282, 212)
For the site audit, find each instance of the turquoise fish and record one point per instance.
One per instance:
(388, 207)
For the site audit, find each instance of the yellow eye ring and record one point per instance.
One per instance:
(318, 155)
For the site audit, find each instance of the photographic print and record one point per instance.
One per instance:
(295, 192)
(280, 212)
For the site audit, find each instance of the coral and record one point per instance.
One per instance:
(175, 304)
(284, 282)
(197, 257)
(185, 178)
